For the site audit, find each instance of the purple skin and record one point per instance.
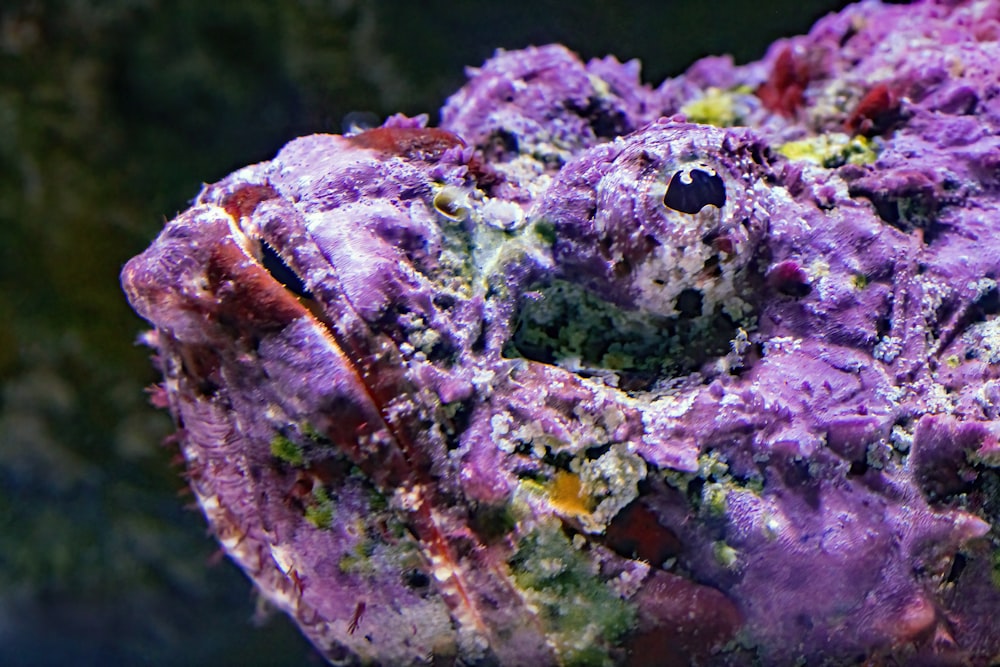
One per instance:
(573, 380)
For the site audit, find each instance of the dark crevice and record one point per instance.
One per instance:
(281, 272)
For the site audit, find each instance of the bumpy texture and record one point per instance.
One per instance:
(596, 373)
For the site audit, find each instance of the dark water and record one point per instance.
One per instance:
(112, 113)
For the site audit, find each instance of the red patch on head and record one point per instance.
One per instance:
(788, 277)
(413, 143)
(243, 201)
(782, 92)
(874, 112)
(483, 174)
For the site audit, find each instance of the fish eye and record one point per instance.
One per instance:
(693, 188)
(280, 271)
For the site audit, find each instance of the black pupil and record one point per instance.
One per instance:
(704, 189)
(281, 271)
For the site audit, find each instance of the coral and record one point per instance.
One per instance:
(572, 379)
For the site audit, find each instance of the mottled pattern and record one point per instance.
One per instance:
(573, 379)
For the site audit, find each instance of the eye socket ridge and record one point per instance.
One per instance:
(693, 188)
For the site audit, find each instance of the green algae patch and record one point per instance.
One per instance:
(359, 559)
(709, 489)
(725, 555)
(581, 613)
(571, 327)
(380, 540)
(493, 522)
(715, 497)
(566, 325)
(545, 231)
(285, 450)
(320, 509)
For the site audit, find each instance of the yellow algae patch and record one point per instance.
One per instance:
(566, 495)
(831, 150)
(716, 107)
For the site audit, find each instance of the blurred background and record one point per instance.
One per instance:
(112, 114)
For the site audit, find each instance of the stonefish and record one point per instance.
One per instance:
(598, 373)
